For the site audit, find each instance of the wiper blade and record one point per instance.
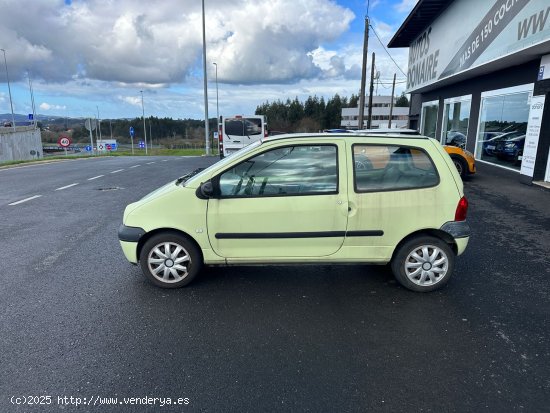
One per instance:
(185, 177)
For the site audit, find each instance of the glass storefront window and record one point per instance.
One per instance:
(502, 127)
(456, 117)
(428, 121)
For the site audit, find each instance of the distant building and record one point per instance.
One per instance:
(380, 114)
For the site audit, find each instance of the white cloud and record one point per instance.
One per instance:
(133, 41)
(101, 53)
(47, 106)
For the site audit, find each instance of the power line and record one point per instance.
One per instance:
(376, 34)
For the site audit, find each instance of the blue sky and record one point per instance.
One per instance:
(97, 55)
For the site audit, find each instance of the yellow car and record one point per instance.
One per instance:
(464, 160)
(307, 198)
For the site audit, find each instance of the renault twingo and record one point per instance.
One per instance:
(307, 198)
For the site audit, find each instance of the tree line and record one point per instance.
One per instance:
(312, 115)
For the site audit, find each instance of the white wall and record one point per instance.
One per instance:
(17, 145)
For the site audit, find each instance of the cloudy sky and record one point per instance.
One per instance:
(85, 55)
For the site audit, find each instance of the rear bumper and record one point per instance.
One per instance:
(460, 231)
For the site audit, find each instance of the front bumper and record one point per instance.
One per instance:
(129, 238)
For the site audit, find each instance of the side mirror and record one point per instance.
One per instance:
(205, 190)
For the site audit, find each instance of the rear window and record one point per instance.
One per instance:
(390, 168)
(243, 127)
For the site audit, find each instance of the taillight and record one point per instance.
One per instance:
(461, 209)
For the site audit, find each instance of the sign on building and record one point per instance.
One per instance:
(471, 33)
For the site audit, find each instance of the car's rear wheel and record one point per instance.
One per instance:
(169, 260)
(423, 264)
(461, 166)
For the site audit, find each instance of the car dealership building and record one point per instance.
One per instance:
(479, 70)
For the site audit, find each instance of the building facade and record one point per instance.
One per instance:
(380, 114)
(479, 71)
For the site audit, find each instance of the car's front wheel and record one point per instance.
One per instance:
(423, 264)
(169, 260)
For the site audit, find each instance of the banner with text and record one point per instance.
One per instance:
(471, 33)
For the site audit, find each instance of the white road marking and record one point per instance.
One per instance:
(149, 163)
(95, 177)
(135, 166)
(165, 160)
(25, 200)
(66, 186)
(118, 170)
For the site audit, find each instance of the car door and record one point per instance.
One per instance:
(394, 192)
(288, 201)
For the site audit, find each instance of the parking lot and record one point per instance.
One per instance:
(78, 321)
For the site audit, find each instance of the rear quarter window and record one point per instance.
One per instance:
(392, 168)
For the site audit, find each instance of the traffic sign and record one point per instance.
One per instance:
(64, 141)
(141, 144)
(132, 132)
(88, 148)
(108, 146)
(113, 146)
(31, 116)
(90, 124)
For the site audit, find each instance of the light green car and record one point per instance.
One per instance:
(307, 198)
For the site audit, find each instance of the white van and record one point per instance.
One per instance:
(236, 132)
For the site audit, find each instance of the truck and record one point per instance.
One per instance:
(236, 132)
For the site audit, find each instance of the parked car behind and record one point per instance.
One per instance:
(510, 148)
(463, 160)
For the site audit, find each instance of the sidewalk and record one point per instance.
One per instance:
(508, 212)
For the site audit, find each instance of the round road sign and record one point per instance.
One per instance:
(64, 141)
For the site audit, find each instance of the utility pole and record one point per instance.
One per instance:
(32, 99)
(144, 128)
(371, 90)
(391, 102)
(9, 90)
(363, 75)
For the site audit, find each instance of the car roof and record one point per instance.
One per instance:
(365, 133)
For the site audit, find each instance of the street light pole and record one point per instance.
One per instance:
(99, 123)
(217, 106)
(144, 129)
(9, 90)
(206, 128)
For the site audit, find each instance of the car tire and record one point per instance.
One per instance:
(461, 166)
(423, 264)
(169, 260)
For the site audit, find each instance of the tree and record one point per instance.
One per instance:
(402, 101)
(353, 101)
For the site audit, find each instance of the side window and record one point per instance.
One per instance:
(389, 168)
(291, 170)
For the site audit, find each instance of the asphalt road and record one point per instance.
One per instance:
(77, 320)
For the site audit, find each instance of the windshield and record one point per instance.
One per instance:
(224, 161)
(243, 127)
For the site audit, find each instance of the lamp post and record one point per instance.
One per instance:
(144, 129)
(217, 107)
(9, 90)
(206, 129)
(99, 123)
